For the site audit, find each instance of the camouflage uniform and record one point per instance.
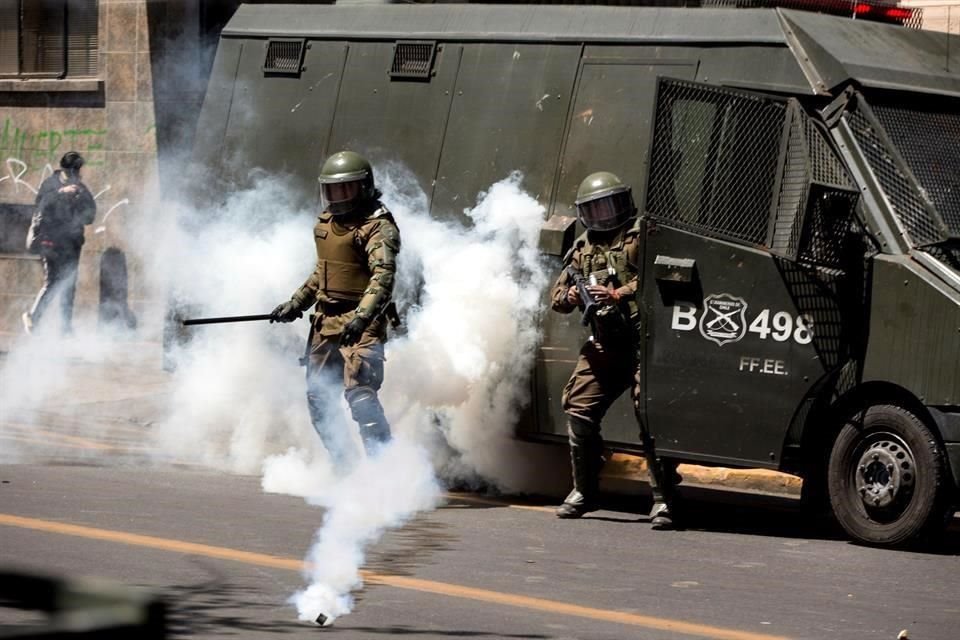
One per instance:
(608, 254)
(354, 277)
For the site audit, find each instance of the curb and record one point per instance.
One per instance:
(623, 466)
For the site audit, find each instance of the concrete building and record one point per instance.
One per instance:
(116, 80)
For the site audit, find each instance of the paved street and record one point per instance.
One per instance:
(227, 557)
(79, 498)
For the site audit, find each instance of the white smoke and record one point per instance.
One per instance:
(457, 379)
(384, 491)
(238, 394)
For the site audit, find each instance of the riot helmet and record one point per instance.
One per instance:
(346, 181)
(603, 202)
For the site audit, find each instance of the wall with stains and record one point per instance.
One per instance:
(115, 121)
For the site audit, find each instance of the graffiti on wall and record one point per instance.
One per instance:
(44, 147)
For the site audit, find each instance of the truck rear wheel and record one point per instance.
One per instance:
(887, 478)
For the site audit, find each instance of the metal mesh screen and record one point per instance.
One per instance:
(714, 160)
(817, 198)
(283, 56)
(793, 192)
(820, 296)
(412, 59)
(947, 253)
(827, 168)
(827, 227)
(928, 138)
(919, 224)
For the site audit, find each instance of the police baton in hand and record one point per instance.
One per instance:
(226, 319)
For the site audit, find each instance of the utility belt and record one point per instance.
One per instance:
(336, 307)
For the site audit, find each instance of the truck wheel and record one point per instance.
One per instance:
(887, 478)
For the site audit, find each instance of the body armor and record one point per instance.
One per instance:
(612, 264)
(342, 270)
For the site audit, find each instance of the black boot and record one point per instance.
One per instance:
(663, 479)
(586, 458)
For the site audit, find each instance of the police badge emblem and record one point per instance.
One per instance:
(724, 318)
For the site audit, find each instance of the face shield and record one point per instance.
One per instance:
(341, 197)
(608, 212)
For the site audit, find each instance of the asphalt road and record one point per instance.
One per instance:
(227, 557)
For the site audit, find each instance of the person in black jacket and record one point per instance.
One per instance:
(64, 207)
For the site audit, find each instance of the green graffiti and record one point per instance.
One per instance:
(45, 147)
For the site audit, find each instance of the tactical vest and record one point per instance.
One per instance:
(611, 262)
(343, 273)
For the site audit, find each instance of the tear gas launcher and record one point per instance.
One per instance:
(590, 305)
(225, 319)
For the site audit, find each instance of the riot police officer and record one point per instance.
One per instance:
(351, 287)
(605, 259)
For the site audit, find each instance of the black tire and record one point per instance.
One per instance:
(888, 478)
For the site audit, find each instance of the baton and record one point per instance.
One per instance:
(224, 319)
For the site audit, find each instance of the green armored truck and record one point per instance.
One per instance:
(798, 177)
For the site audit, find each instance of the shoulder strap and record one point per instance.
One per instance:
(578, 245)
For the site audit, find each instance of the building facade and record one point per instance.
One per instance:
(121, 82)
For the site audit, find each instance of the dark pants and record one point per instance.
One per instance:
(600, 376)
(358, 370)
(59, 277)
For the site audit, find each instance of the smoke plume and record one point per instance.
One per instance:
(473, 293)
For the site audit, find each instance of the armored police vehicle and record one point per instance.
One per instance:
(798, 178)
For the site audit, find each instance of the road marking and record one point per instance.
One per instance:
(62, 439)
(48, 443)
(493, 502)
(414, 584)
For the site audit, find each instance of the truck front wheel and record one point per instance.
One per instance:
(887, 478)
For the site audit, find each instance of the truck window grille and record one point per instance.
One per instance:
(919, 223)
(714, 160)
(928, 138)
(413, 59)
(793, 192)
(817, 198)
(283, 56)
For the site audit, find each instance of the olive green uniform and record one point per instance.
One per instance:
(608, 363)
(354, 277)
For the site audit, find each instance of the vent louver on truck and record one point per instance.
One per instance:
(413, 59)
(284, 56)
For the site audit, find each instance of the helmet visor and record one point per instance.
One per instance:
(339, 196)
(606, 213)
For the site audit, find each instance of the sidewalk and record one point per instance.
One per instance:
(118, 396)
(623, 466)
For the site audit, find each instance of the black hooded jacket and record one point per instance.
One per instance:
(63, 215)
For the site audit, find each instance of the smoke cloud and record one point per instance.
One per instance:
(456, 378)
(473, 293)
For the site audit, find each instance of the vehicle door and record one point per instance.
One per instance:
(746, 293)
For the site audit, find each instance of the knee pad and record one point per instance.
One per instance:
(315, 405)
(364, 406)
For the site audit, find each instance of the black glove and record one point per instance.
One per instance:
(286, 312)
(352, 332)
